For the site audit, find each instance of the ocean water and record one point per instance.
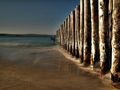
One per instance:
(25, 41)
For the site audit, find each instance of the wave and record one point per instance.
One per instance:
(25, 41)
(11, 44)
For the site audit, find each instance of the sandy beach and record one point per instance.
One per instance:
(43, 68)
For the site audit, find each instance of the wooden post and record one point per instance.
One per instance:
(77, 30)
(66, 34)
(58, 36)
(103, 35)
(81, 45)
(87, 32)
(73, 31)
(64, 30)
(110, 30)
(115, 70)
(69, 34)
(62, 35)
(66, 26)
(94, 32)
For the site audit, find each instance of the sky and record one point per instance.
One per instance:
(34, 16)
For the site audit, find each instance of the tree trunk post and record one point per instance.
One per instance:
(62, 35)
(81, 44)
(94, 32)
(67, 34)
(115, 69)
(77, 30)
(69, 43)
(87, 32)
(64, 30)
(73, 31)
(58, 36)
(110, 30)
(104, 36)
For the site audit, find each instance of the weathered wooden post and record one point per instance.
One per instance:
(110, 29)
(58, 36)
(66, 33)
(64, 30)
(87, 32)
(77, 30)
(94, 32)
(115, 69)
(81, 45)
(103, 35)
(68, 25)
(62, 35)
(73, 31)
(70, 35)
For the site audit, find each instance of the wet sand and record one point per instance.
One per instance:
(43, 69)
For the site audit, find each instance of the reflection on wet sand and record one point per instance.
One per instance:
(43, 69)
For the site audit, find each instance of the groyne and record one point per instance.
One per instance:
(91, 33)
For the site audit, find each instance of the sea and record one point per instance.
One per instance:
(20, 48)
(26, 41)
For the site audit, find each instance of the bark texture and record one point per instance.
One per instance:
(104, 35)
(110, 30)
(115, 70)
(58, 36)
(69, 44)
(64, 32)
(94, 32)
(81, 43)
(67, 34)
(87, 32)
(73, 31)
(62, 35)
(77, 30)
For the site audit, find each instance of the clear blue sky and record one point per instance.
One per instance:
(34, 16)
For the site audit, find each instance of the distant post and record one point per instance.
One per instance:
(71, 36)
(66, 26)
(62, 35)
(58, 37)
(64, 32)
(73, 31)
(77, 30)
(81, 45)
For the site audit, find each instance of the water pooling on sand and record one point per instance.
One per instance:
(41, 68)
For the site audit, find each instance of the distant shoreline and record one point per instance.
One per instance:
(27, 35)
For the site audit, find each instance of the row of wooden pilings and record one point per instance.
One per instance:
(92, 33)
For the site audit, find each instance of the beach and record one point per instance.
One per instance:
(42, 68)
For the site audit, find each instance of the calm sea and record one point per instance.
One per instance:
(24, 41)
